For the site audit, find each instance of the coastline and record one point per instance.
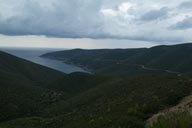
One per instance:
(86, 69)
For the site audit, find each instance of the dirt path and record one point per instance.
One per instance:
(156, 69)
(142, 67)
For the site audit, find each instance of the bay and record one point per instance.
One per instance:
(33, 55)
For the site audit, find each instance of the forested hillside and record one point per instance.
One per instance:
(32, 96)
(175, 59)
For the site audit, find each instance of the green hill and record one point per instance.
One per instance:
(76, 83)
(20, 91)
(175, 59)
(28, 99)
(121, 102)
(12, 65)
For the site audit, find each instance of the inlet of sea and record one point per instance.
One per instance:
(33, 55)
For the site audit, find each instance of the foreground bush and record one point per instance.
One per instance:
(174, 120)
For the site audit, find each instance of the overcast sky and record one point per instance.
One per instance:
(94, 23)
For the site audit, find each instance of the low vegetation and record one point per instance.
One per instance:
(173, 120)
(32, 96)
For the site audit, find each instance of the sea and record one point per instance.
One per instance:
(33, 55)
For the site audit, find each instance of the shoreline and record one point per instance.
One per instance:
(84, 68)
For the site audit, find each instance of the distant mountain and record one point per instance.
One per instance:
(175, 59)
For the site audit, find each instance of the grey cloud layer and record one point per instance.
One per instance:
(96, 19)
(155, 14)
(184, 24)
(185, 5)
(55, 18)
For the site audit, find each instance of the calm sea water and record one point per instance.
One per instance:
(33, 55)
